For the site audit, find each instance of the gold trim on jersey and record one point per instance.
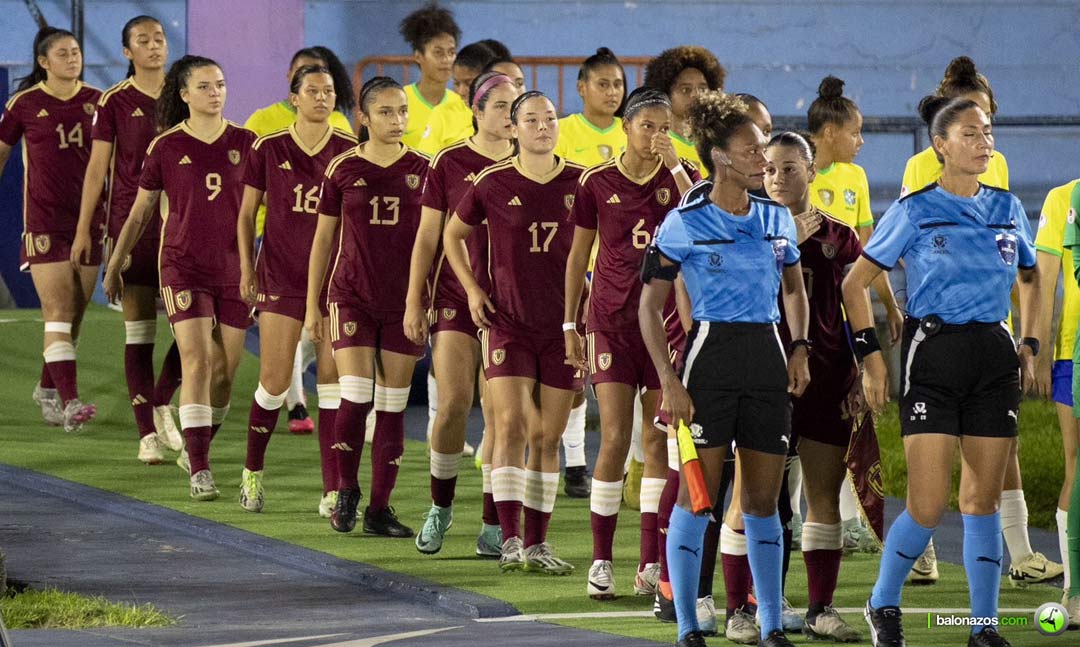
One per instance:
(319, 145)
(49, 91)
(485, 335)
(154, 141)
(560, 165)
(206, 140)
(361, 152)
(331, 168)
(152, 95)
(498, 166)
(105, 96)
(468, 141)
(638, 181)
(15, 97)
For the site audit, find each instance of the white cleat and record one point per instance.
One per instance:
(77, 414)
(647, 579)
(150, 450)
(167, 432)
(251, 490)
(706, 615)
(741, 628)
(327, 503)
(202, 486)
(52, 410)
(925, 570)
(1033, 569)
(601, 583)
(1072, 608)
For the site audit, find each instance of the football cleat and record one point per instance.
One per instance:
(150, 450)
(183, 461)
(430, 538)
(299, 420)
(646, 579)
(385, 522)
(858, 538)
(202, 486)
(167, 431)
(1033, 569)
(576, 482)
(692, 639)
(1072, 608)
(539, 558)
(343, 518)
(828, 625)
(988, 637)
(601, 581)
(512, 555)
(251, 490)
(327, 503)
(706, 615)
(77, 414)
(886, 626)
(776, 638)
(489, 541)
(664, 606)
(740, 628)
(924, 570)
(52, 409)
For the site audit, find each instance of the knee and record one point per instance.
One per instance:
(980, 503)
(755, 504)
(926, 513)
(196, 366)
(453, 407)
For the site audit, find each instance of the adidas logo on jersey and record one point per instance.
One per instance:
(138, 113)
(614, 199)
(43, 113)
(185, 160)
(285, 166)
(514, 202)
(360, 182)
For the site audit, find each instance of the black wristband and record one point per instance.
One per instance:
(1032, 343)
(865, 342)
(795, 343)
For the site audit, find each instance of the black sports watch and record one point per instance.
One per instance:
(1032, 343)
(800, 342)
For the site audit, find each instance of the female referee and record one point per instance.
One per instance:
(964, 245)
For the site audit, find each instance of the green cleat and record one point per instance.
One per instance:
(489, 541)
(430, 538)
(251, 490)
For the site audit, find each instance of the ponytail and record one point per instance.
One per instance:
(43, 42)
(171, 109)
(125, 36)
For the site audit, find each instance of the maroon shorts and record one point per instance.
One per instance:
(662, 419)
(353, 326)
(39, 249)
(817, 414)
(221, 303)
(141, 265)
(620, 358)
(292, 307)
(453, 318)
(517, 355)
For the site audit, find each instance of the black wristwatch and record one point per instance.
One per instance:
(795, 343)
(1031, 343)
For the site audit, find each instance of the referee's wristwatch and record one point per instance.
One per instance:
(1032, 343)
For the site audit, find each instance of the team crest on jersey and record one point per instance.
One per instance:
(716, 260)
(234, 156)
(940, 243)
(42, 243)
(604, 361)
(349, 328)
(88, 108)
(605, 151)
(412, 180)
(1071, 217)
(568, 199)
(826, 197)
(498, 356)
(849, 197)
(829, 250)
(274, 298)
(449, 313)
(1006, 244)
(663, 196)
(183, 300)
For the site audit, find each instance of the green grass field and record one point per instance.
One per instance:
(104, 456)
(52, 609)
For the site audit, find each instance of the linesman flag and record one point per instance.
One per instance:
(864, 467)
(691, 471)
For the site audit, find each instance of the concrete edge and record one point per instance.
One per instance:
(445, 598)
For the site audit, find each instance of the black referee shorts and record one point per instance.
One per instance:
(736, 374)
(963, 380)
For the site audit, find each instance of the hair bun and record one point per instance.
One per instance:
(831, 88)
(961, 69)
(930, 105)
(604, 51)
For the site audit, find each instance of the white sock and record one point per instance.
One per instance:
(605, 498)
(1062, 519)
(432, 403)
(848, 507)
(445, 466)
(295, 394)
(651, 489)
(1014, 525)
(795, 481)
(485, 479)
(573, 439)
(268, 400)
(549, 483)
(731, 542)
(534, 489)
(822, 536)
(508, 484)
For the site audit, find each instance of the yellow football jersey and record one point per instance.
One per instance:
(923, 168)
(1049, 239)
(450, 122)
(420, 113)
(687, 151)
(841, 190)
(583, 143)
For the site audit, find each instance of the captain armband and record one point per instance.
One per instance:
(653, 268)
(865, 342)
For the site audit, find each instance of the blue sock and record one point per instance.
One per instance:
(904, 543)
(765, 549)
(685, 537)
(982, 561)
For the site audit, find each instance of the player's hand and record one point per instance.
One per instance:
(313, 324)
(575, 355)
(798, 371)
(416, 323)
(806, 225)
(479, 307)
(896, 325)
(1027, 369)
(249, 286)
(854, 405)
(1044, 381)
(875, 382)
(664, 148)
(80, 250)
(677, 402)
(113, 284)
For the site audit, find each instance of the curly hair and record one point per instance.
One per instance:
(961, 77)
(714, 117)
(661, 71)
(171, 109)
(831, 106)
(424, 24)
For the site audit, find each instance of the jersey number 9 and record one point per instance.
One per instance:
(213, 184)
(550, 227)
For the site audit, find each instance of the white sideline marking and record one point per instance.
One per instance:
(543, 617)
(357, 642)
(277, 641)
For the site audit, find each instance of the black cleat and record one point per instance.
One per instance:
(385, 522)
(343, 518)
(692, 639)
(576, 482)
(664, 609)
(886, 628)
(988, 637)
(775, 638)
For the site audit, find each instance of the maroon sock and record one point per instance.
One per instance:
(214, 429)
(169, 378)
(260, 427)
(649, 541)
(442, 491)
(387, 446)
(491, 510)
(326, 454)
(710, 544)
(603, 533)
(46, 377)
(737, 580)
(349, 441)
(139, 371)
(536, 525)
(65, 378)
(197, 441)
(822, 569)
(509, 518)
(663, 518)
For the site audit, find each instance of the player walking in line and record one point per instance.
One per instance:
(433, 35)
(684, 73)
(595, 134)
(451, 121)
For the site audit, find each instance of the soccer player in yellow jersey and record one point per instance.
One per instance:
(433, 35)
(451, 121)
(964, 81)
(685, 73)
(595, 134)
(1054, 371)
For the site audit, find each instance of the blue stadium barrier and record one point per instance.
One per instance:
(11, 221)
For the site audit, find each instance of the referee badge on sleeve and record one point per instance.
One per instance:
(1006, 244)
(779, 248)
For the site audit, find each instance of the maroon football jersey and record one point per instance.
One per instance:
(125, 119)
(201, 179)
(56, 148)
(379, 207)
(824, 256)
(290, 174)
(625, 212)
(529, 241)
(452, 173)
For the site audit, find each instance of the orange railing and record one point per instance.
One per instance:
(532, 66)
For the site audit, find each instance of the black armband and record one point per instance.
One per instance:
(653, 268)
(865, 342)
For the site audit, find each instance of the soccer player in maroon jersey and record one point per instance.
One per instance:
(525, 201)
(623, 200)
(372, 192)
(285, 169)
(823, 417)
(197, 161)
(123, 128)
(455, 341)
(52, 112)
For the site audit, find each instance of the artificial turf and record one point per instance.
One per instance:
(104, 456)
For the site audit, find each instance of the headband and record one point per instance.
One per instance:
(631, 109)
(522, 99)
(486, 87)
(377, 83)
